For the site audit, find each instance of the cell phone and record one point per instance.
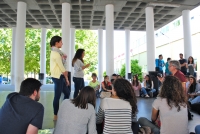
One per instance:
(159, 75)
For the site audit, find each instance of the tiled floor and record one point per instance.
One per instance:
(144, 107)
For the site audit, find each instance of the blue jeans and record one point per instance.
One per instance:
(145, 122)
(59, 87)
(197, 129)
(144, 91)
(78, 85)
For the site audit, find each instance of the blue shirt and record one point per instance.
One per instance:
(1, 80)
(167, 68)
(160, 64)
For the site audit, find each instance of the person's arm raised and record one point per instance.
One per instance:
(86, 66)
(32, 129)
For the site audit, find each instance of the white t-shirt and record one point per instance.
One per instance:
(172, 121)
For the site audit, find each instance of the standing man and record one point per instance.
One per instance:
(58, 71)
(160, 64)
(21, 113)
(183, 63)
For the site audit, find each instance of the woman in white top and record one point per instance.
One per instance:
(148, 87)
(77, 116)
(79, 66)
(117, 112)
(171, 106)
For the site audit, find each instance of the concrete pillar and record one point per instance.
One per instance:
(66, 48)
(109, 39)
(150, 39)
(43, 54)
(100, 55)
(187, 34)
(127, 52)
(13, 56)
(72, 51)
(20, 44)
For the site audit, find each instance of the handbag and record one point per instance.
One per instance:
(104, 94)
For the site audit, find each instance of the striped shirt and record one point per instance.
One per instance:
(117, 115)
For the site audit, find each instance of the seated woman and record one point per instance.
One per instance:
(148, 87)
(95, 84)
(136, 85)
(171, 106)
(119, 110)
(77, 116)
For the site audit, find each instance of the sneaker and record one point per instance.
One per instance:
(151, 94)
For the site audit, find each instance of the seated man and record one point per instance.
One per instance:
(21, 113)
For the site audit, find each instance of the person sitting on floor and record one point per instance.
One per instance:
(77, 116)
(136, 85)
(119, 110)
(95, 84)
(171, 107)
(193, 88)
(21, 113)
(148, 87)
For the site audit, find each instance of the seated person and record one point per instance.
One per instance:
(119, 110)
(95, 84)
(148, 87)
(136, 85)
(106, 85)
(114, 77)
(187, 82)
(197, 129)
(193, 88)
(171, 106)
(21, 113)
(77, 116)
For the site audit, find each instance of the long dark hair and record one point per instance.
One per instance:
(193, 85)
(135, 82)
(192, 60)
(78, 55)
(173, 91)
(86, 95)
(124, 91)
(149, 81)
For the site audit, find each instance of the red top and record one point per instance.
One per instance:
(180, 76)
(108, 83)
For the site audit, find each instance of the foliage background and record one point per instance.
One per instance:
(83, 39)
(135, 69)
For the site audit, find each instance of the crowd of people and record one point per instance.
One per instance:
(118, 107)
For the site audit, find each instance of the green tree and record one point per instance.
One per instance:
(5, 50)
(32, 51)
(135, 69)
(87, 40)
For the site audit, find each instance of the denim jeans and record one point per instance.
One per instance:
(59, 87)
(145, 122)
(144, 91)
(197, 129)
(78, 85)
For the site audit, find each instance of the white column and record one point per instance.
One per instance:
(43, 54)
(109, 39)
(72, 50)
(127, 52)
(187, 34)
(66, 33)
(100, 53)
(20, 44)
(13, 56)
(150, 39)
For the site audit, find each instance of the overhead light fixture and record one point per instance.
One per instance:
(163, 4)
(87, 0)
